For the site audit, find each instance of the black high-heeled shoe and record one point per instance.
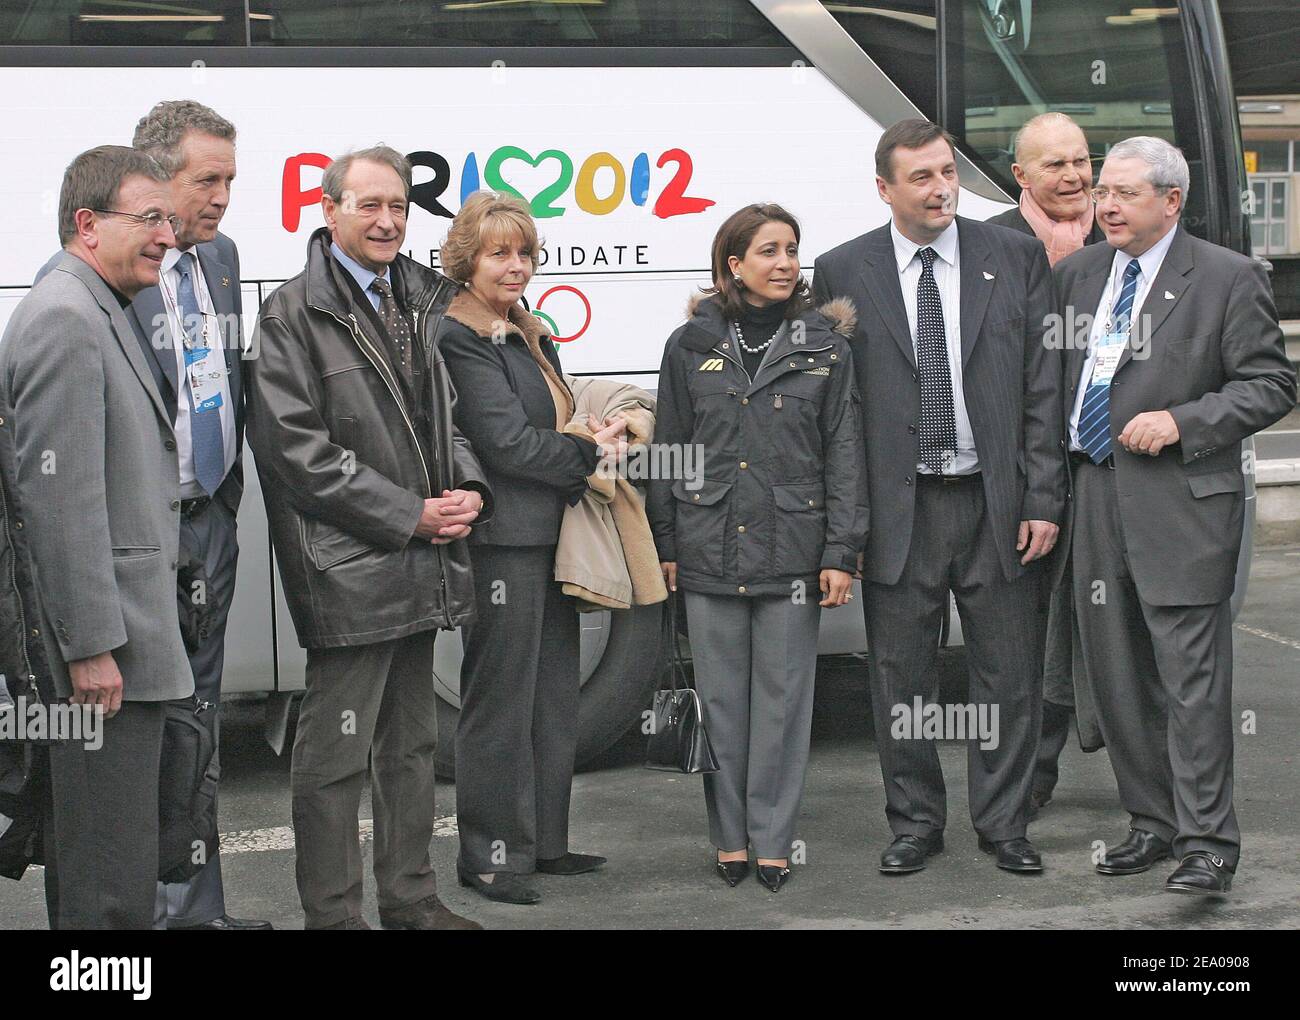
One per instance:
(732, 872)
(505, 886)
(771, 877)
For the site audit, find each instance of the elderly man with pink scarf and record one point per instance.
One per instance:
(1055, 177)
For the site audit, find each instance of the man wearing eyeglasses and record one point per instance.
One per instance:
(1183, 360)
(96, 493)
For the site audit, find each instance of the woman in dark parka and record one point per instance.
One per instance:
(769, 533)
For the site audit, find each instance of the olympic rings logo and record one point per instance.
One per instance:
(555, 329)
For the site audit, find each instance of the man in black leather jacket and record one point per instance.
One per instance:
(370, 493)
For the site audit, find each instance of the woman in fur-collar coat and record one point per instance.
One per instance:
(517, 733)
(760, 387)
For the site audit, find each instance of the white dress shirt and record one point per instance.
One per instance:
(169, 284)
(1149, 261)
(947, 278)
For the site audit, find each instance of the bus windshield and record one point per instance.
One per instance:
(1116, 69)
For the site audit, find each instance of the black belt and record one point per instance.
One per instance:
(1079, 457)
(193, 507)
(921, 476)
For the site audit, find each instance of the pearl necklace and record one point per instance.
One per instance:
(740, 339)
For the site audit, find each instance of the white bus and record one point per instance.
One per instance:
(632, 127)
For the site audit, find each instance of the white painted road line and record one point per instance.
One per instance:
(280, 837)
(1269, 635)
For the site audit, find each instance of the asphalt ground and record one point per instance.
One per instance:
(652, 827)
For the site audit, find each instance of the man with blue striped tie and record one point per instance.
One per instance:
(189, 326)
(1184, 360)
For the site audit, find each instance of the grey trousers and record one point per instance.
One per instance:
(368, 708)
(518, 729)
(1003, 625)
(211, 537)
(101, 827)
(755, 663)
(1162, 680)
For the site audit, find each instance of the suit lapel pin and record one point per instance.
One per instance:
(988, 275)
(225, 281)
(1169, 295)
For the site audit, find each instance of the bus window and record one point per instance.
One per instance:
(899, 35)
(654, 23)
(122, 23)
(1116, 69)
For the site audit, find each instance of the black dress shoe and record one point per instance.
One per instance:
(1014, 854)
(427, 915)
(223, 923)
(505, 886)
(908, 853)
(1202, 873)
(732, 872)
(1136, 854)
(772, 877)
(351, 924)
(569, 864)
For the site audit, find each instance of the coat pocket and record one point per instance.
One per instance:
(134, 552)
(701, 524)
(331, 546)
(799, 534)
(1213, 483)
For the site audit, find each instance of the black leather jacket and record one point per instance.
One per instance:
(342, 471)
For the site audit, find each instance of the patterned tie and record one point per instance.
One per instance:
(938, 418)
(395, 325)
(1094, 415)
(206, 441)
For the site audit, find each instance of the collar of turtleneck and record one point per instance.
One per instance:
(760, 323)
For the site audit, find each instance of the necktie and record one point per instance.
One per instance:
(938, 419)
(1094, 415)
(206, 444)
(395, 325)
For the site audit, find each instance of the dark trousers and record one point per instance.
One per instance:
(1058, 688)
(518, 728)
(1162, 680)
(209, 537)
(101, 836)
(368, 708)
(1003, 626)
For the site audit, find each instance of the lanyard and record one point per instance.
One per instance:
(175, 318)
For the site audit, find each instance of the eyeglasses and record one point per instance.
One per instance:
(151, 220)
(1124, 196)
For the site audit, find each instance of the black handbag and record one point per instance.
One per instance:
(187, 790)
(678, 741)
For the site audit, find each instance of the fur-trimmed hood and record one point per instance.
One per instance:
(840, 313)
(469, 311)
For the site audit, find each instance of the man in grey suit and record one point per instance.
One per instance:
(98, 496)
(199, 282)
(966, 482)
(1178, 358)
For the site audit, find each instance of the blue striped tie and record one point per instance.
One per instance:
(1094, 416)
(206, 444)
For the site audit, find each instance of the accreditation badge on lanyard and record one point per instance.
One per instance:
(1109, 349)
(205, 368)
